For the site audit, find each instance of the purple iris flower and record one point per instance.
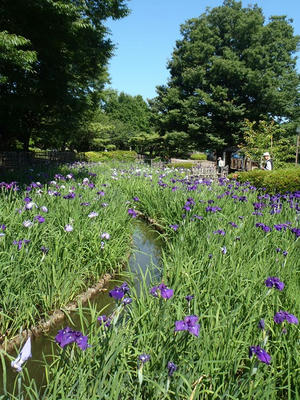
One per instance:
(105, 236)
(267, 228)
(243, 198)
(39, 219)
(260, 353)
(165, 292)
(69, 196)
(213, 209)
(132, 212)
(280, 227)
(103, 319)
(85, 204)
(143, 358)
(81, 340)
(21, 242)
(261, 324)
(67, 336)
(136, 198)
(219, 232)
(126, 301)
(282, 316)
(198, 216)
(101, 193)
(233, 224)
(260, 214)
(190, 297)
(284, 253)
(174, 227)
(171, 368)
(264, 227)
(3, 227)
(224, 249)
(154, 291)
(44, 249)
(296, 231)
(119, 291)
(273, 281)
(125, 287)
(189, 323)
(44, 209)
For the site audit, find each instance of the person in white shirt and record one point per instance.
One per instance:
(220, 164)
(268, 166)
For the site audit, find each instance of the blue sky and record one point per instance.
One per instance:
(146, 38)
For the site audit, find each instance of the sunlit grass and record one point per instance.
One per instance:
(230, 296)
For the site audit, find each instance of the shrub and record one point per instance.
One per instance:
(119, 155)
(181, 165)
(280, 181)
(198, 156)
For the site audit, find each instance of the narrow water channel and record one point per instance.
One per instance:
(144, 260)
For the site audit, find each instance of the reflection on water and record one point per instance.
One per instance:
(144, 260)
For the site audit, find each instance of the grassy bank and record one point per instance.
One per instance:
(224, 241)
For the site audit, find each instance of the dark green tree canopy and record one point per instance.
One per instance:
(50, 92)
(228, 66)
(121, 121)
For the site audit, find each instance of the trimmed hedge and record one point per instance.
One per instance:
(119, 155)
(279, 181)
(182, 165)
(198, 156)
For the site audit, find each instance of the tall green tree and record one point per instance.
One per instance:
(130, 118)
(229, 65)
(53, 99)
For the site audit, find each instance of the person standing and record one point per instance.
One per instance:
(220, 164)
(268, 165)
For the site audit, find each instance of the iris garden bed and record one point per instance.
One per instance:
(230, 284)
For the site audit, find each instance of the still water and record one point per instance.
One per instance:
(144, 260)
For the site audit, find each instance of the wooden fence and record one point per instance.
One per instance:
(15, 159)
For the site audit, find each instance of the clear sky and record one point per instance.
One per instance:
(146, 38)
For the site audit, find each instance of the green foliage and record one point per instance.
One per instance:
(118, 155)
(14, 55)
(33, 284)
(277, 181)
(229, 297)
(187, 165)
(267, 136)
(198, 156)
(57, 84)
(177, 144)
(229, 65)
(127, 120)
